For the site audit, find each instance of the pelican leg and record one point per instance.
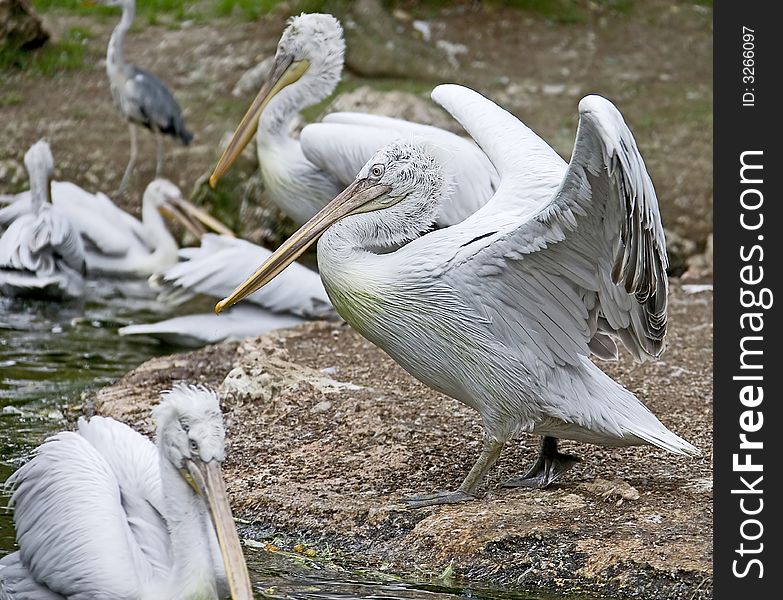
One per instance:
(131, 161)
(466, 491)
(161, 149)
(548, 469)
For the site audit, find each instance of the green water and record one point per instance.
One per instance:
(51, 353)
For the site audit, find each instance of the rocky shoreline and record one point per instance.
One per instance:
(327, 434)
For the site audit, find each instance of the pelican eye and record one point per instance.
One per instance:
(194, 445)
(376, 171)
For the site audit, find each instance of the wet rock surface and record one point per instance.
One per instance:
(326, 435)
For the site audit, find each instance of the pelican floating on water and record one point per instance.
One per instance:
(117, 243)
(503, 310)
(41, 253)
(302, 175)
(215, 268)
(102, 513)
(141, 98)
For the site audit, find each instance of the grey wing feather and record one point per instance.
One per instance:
(147, 100)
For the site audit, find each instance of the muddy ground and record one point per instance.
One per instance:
(653, 59)
(323, 465)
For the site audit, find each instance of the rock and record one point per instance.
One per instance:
(699, 266)
(680, 249)
(378, 46)
(402, 105)
(20, 27)
(608, 489)
(250, 82)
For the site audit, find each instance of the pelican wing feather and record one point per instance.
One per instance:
(76, 531)
(590, 259)
(221, 263)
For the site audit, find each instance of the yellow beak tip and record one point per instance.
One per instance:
(213, 181)
(219, 307)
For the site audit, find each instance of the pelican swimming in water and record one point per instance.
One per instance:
(41, 253)
(117, 243)
(102, 513)
(302, 175)
(214, 269)
(140, 96)
(503, 310)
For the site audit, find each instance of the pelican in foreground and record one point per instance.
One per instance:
(302, 175)
(141, 98)
(41, 253)
(214, 269)
(117, 243)
(503, 310)
(103, 513)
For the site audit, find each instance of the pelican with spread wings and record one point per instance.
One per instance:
(504, 310)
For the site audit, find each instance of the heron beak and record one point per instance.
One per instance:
(208, 479)
(353, 198)
(284, 72)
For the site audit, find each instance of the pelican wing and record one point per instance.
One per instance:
(221, 263)
(194, 331)
(107, 227)
(72, 526)
(591, 259)
(344, 142)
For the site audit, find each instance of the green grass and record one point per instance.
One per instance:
(68, 54)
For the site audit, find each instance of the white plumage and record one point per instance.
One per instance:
(215, 268)
(41, 254)
(302, 175)
(503, 310)
(101, 513)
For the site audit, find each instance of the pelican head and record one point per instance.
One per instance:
(310, 52)
(166, 198)
(394, 198)
(191, 437)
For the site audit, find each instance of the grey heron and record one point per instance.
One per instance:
(302, 175)
(503, 310)
(140, 96)
(117, 243)
(215, 268)
(102, 513)
(41, 253)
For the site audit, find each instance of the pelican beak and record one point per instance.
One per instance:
(285, 71)
(202, 216)
(173, 213)
(351, 200)
(208, 480)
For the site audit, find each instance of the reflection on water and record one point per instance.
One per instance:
(51, 353)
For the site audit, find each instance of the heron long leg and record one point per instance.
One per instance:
(161, 149)
(131, 161)
(548, 469)
(466, 491)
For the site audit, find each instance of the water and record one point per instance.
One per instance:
(51, 353)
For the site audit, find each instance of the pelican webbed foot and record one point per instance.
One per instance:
(440, 498)
(548, 469)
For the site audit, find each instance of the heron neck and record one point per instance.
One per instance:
(194, 569)
(115, 59)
